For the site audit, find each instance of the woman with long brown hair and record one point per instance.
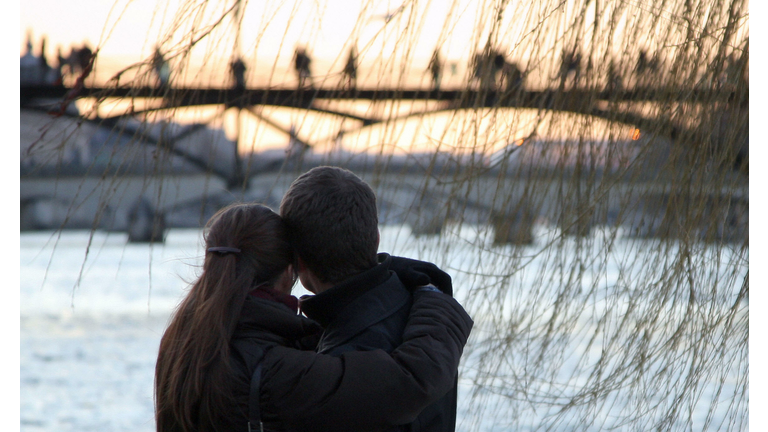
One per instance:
(237, 356)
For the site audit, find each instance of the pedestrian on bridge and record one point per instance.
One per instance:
(435, 67)
(487, 65)
(301, 64)
(615, 82)
(483, 72)
(161, 68)
(79, 59)
(237, 68)
(570, 63)
(350, 70)
(646, 68)
(511, 76)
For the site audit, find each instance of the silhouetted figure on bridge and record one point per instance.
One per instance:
(301, 64)
(237, 68)
(349, 75)
(646, 68)
(570, 63)
(486, 66)
(78, 61)
(83, 57)
(81, 62)
(511, 76)
(645, 63)
(735, 73)
(498, 61)
(479, 68)
(161, 68)
(614, 78)
(436, 69)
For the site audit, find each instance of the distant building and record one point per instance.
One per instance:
(34, 69)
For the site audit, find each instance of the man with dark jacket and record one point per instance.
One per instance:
(358, 391)
(360, 301)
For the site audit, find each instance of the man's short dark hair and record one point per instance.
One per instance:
(331, 214)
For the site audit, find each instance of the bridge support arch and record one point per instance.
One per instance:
(575, 221)
(428, 220)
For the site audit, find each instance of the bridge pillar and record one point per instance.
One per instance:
(145, 224)
(575, 212)
(427, 223)
(515, 227)
(575, 223)
(29, 219)
(670, 215)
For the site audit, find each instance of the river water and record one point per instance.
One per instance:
(91, 324)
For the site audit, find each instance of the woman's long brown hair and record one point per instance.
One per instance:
(193, 371)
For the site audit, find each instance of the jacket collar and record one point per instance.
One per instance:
(374, 306)
(326, 306)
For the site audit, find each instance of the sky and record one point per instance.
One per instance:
(127, 31)
(403, 31)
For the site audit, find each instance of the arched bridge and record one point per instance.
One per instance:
(511, 196)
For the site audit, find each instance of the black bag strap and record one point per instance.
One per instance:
(254, 410)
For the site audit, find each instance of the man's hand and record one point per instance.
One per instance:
(414, 273)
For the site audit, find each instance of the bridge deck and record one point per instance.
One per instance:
(519, 97)
(579, 101)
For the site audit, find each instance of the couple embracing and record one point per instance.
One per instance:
(376, 348)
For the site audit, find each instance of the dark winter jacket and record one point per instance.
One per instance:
(356, 391)
(370, 311)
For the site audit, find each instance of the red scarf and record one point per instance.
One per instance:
(275, 295)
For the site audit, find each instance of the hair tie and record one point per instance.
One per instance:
(223, 249)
